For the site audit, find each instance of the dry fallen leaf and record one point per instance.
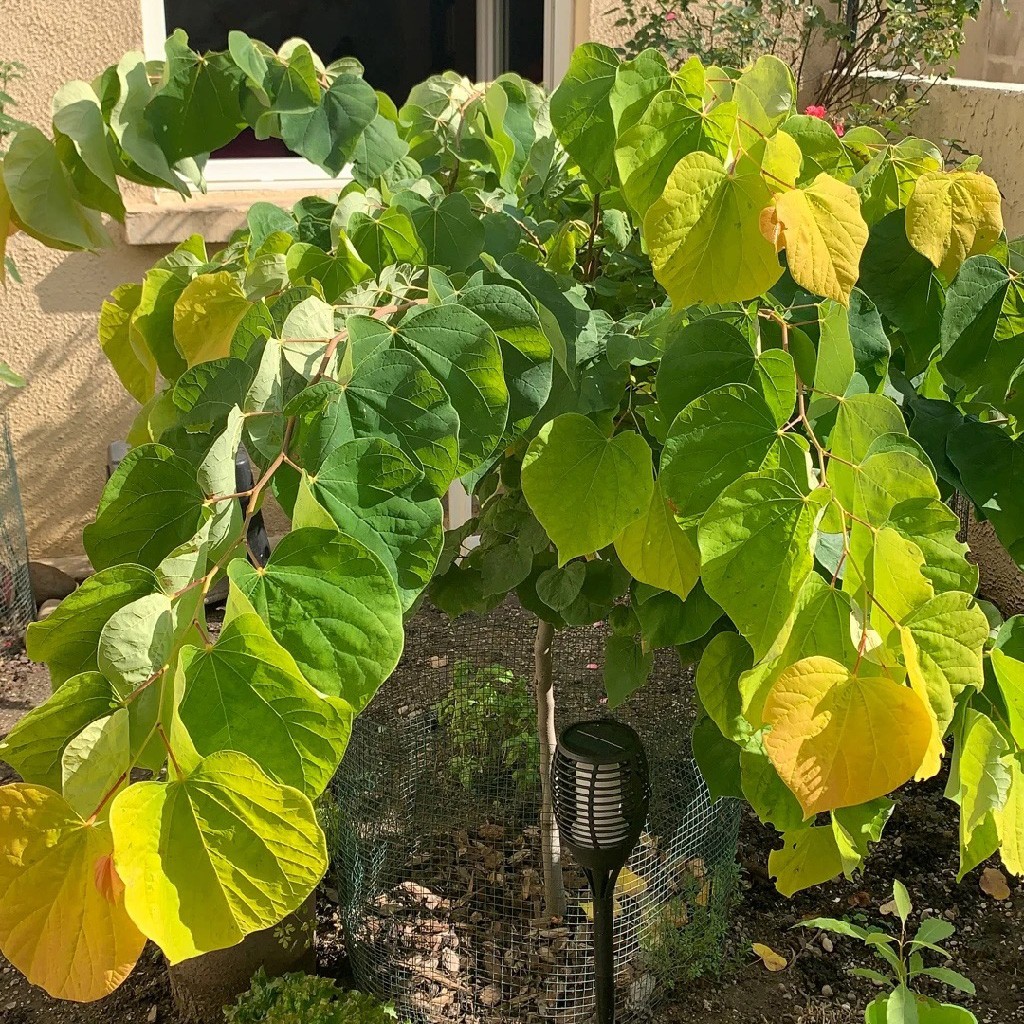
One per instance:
(490, 995)
(993, 883)
(438, 661)
(859, 899)
(769, 957)
(888, 909)
(588, 908)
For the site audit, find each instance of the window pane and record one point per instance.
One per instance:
(524, 38)
(400, 42)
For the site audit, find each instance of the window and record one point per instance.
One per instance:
(400, 43)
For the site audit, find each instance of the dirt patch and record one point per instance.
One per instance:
(920, 848)
(23, 686)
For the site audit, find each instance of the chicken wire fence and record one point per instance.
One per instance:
(17, 609)
(437, 846)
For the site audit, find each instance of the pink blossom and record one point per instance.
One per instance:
(671, 16)
(816, 111)
(839, 124)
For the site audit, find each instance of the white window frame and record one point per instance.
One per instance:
(247, 173)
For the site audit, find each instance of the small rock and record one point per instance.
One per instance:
(49, 582)
(151, 1016)
(46, 609)
(826, 991)
(826, 944)
(438, 661)
(78, 567)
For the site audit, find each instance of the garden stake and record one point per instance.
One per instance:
(601, 788)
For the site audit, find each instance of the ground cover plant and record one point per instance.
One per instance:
(304, 999)
(709, 368)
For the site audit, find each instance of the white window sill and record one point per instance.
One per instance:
(164, 218)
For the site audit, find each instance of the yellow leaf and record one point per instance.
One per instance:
(838, 740)
(808, 857)
(703, 234)
(782, 161)
(62, 918)
(629, 883)
(206, 315)
(896, 580)
(1010, 821)
(993, 883)
(588, 909)
(953, 216)
(772, 960)
(658, 551)
(823, 233)
(932, 701)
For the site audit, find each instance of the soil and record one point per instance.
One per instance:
(919, 848)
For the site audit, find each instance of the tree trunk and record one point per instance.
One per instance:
(551, 854)
(1001, 581)
(203, 986)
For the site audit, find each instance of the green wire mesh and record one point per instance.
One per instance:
(17, 609)
(437, 851)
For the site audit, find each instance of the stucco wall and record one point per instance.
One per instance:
(994, 46)
(73, 405)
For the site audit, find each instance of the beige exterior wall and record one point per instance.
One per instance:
(601, 22)
(994, 48)
(73, 405)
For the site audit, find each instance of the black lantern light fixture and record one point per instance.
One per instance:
(601, 788)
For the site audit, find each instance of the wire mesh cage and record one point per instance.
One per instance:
(438, 841)
(17, 609)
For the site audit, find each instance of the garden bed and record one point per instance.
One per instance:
(920, 850)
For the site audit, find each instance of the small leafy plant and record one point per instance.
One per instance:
(903, 956)
(489, 717)
(304, 999)
(687, 939)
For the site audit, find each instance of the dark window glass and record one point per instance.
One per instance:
(399, 42)
(524, 38)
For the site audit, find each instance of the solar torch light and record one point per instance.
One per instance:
(601, 789)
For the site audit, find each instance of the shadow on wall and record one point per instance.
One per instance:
(73, 405)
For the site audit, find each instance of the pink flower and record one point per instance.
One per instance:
(593, 665)
(816, 111)
(839, 124)
(671, 16)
